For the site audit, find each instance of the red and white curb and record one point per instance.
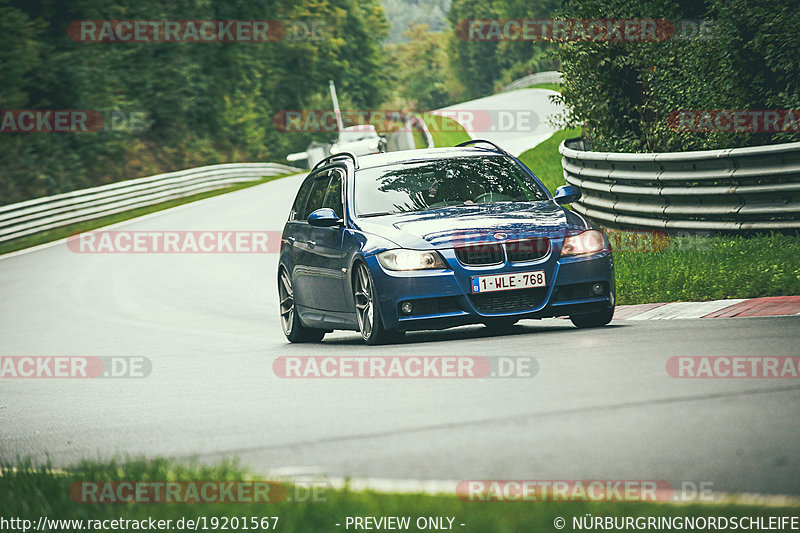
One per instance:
(734, 308)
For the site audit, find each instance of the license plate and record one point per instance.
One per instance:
(507, 282)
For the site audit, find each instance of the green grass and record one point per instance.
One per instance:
(29, 493)
(550, 86)
(88, 225)
(545, 161)
(710, 268)
(445, 131)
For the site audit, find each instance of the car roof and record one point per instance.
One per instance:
(422, 154)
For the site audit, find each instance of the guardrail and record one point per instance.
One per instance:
(549, 76)
(50, 212)
(738, 189)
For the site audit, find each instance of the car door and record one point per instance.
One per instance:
(311, 195)
(326, 257)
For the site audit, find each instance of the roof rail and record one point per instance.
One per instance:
(476, 141)
(330, 158)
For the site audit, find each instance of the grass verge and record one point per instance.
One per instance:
(88, 225)
(545, 161)
(30, 493)
(710, 268)
(445, 131)
(550, 86)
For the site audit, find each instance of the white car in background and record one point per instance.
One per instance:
(362, 139)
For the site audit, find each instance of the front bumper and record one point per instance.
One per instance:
(443, 298)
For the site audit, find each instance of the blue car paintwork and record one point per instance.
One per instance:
(324, 294)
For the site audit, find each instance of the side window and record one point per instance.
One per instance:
(333, 196)
(317, 194)
(302, 198)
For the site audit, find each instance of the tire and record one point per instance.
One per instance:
(500, 325)
(370, 324)
(593, 320)
(291, 324)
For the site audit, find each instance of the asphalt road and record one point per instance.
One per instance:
(601, 407)
(516, 120)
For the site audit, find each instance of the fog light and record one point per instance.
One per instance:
(406, 308)
(597, 289)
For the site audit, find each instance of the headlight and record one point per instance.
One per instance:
(410, 260)
(583, 243)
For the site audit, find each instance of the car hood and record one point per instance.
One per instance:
(447, 227)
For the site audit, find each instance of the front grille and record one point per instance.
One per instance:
(528, 249)
(431, 306)
(513, 300)
(480, 254)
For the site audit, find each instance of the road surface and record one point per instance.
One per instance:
(601, 406)
(516, 120)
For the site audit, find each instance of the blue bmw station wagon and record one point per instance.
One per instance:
(430, 239)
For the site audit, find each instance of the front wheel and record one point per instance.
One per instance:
(368, 315)
(293, 328)
(593, 320)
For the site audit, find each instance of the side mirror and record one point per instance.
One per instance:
(324, 218)
(566, 194)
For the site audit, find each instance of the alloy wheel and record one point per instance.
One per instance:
(365, 308)
(287, 302)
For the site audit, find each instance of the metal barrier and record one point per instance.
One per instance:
(50, 212)
(549, 76)
(738, 189)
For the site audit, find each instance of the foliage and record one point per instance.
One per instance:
(483, 66)
(623, 92)
(202, 103)
(405, 14)
(545, 161)
(423, 74)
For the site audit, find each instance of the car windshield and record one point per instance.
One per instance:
(421, 186)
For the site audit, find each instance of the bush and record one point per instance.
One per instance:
(623, 92)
